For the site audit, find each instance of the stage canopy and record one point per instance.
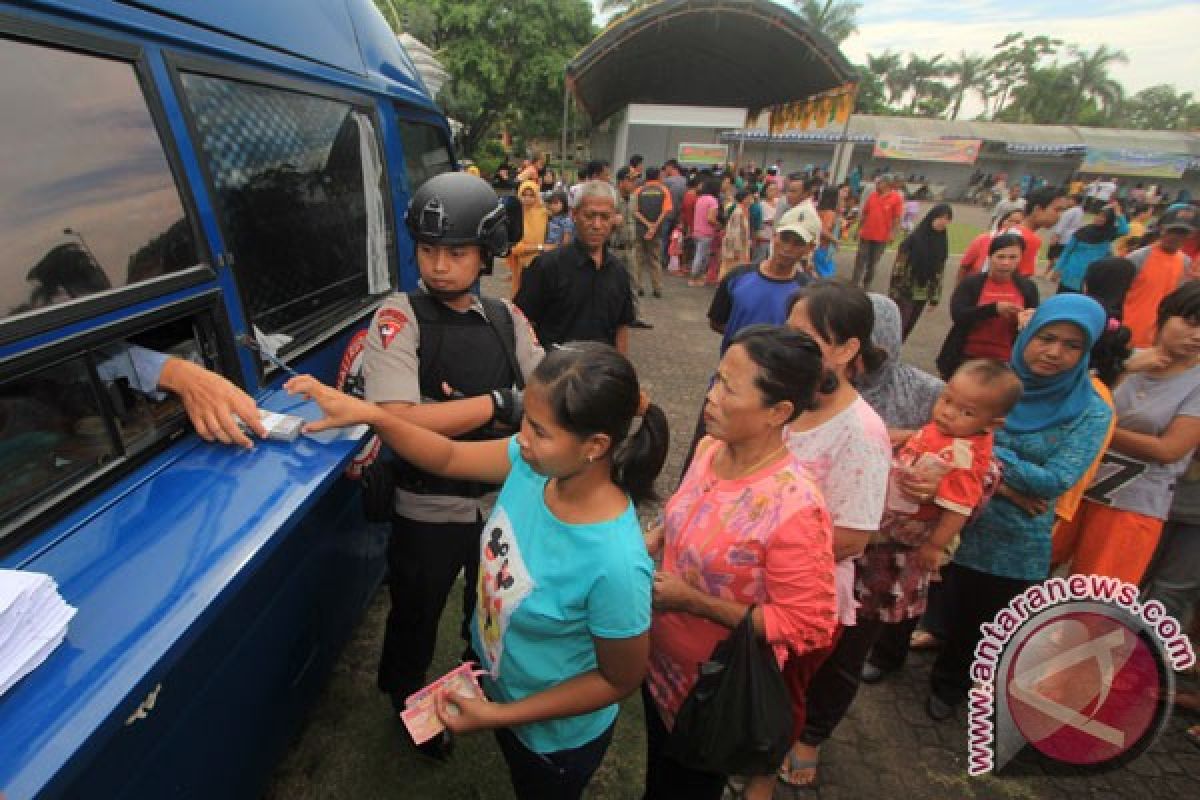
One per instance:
(752, 54)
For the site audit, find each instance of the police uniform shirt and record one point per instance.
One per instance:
(391, 372)
(568, 299)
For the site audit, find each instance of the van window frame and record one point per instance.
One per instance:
(179, 62)
(206, 307)
(407, 115)
(91, 44)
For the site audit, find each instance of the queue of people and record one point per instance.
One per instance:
(835, 496)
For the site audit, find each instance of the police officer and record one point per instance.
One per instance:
(425, 348)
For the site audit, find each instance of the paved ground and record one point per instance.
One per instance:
(887, 747)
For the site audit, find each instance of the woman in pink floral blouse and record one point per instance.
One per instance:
(746, 527)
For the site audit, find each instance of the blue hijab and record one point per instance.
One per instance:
(1048, 402)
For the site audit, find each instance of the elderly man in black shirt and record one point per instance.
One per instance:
(581, 291)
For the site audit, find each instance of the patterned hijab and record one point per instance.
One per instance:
(901, 394)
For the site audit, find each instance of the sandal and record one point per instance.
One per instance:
(1193, 734)
(793, 764)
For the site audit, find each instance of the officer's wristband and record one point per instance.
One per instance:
(507, 407)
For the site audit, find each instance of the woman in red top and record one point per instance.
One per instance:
(747, 528)
(974, 258)
(985, 307)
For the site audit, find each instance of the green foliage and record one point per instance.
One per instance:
(505, 58)
(1025, 79)
(1160, 107)
(837, 19)
(488, 155)
(967, 74)
(871, 92)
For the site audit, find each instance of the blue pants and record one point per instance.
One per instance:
(561, 775)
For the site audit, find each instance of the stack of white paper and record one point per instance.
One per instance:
(33, 621)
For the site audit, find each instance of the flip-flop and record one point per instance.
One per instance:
(1193, 734)
(792, 764)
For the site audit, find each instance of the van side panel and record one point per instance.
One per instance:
(215, 586)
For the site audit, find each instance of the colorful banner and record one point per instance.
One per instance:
(1139, 163)
(908, 148)
(817, 111)
(703, 154)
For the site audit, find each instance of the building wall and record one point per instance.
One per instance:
(659, 143)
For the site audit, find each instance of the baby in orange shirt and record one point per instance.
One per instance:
(954, 452)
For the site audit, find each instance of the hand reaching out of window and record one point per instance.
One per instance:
(212, 402)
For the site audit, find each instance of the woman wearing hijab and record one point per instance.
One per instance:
(535, 220)
(903, 396)
(1107, 282)
(1047, 443)
(1089, 243)
(920, 261)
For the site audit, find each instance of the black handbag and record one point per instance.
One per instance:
(737, 720)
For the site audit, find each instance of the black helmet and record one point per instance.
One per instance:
(458, 208)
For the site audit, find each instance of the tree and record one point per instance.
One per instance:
(888, 67)
(505, 58)
(922, 75)
(968, 74)
(1089, 72)
(1013, 64)
(837, 19)
(870, 97)
(1042, 98)
(1160, 108)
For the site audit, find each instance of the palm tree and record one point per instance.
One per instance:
(888, 66)
(837, 19)
(969, 73)
(922, 74)
(1090, 74)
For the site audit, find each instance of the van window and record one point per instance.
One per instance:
(299, 187)
(89, 202)
(425, 152)
(65, 420)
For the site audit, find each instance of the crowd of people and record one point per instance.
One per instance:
(844, 504)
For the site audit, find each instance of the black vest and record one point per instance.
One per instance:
(472, 356)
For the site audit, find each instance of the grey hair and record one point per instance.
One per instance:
(598, 189)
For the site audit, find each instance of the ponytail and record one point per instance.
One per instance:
(1110, 352)
(637, 461)
(594, 389)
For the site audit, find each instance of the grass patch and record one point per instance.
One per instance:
(960, 234)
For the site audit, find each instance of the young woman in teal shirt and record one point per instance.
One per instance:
(564, 594)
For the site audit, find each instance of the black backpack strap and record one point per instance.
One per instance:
(429, 344)
(500, 320)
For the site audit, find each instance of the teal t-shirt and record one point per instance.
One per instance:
(546, 588)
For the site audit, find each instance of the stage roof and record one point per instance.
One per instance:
(749, 54)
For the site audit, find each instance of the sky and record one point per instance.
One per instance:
(928, 27)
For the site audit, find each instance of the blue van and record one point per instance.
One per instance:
(180, 177)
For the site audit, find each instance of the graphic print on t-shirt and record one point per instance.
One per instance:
(504, 581)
